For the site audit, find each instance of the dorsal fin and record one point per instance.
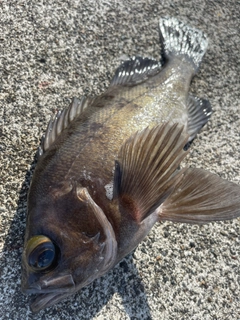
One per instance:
(60, 121)
(135, 70)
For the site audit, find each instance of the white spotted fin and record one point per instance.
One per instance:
(135, 70)
(180, 39)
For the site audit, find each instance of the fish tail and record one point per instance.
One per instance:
(180, 39)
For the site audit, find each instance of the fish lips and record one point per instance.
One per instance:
(43, 301)
(49, 291)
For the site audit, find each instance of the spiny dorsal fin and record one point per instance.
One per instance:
(135, 70)
(145, 171)
(60, 121)
(199, 112)
(201, 197)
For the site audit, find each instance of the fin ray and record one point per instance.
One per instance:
(199, 112)
(60, 121)
(145, 171)
(180, 39)
(135, 71)
(201, 197)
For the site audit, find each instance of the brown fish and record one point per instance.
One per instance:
(108, 170)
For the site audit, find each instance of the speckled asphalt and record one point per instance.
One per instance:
(53, 50)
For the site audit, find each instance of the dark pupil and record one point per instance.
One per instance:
(42, 257)
(45, 258)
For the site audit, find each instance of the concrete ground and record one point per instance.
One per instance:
(53, 50)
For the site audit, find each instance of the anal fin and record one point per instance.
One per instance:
(200, 197)
(199, 112)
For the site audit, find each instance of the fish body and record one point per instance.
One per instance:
(108, 170)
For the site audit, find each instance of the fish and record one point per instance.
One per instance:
(109, 169)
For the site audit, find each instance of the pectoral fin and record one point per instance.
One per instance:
(200, 197)
(145, 171)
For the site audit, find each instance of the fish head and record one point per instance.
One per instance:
(68, 243)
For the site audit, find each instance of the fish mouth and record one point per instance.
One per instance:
(45, 300)
(49, 291)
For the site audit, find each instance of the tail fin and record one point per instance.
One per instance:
(180, 39)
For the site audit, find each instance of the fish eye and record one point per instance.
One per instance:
(40, 253)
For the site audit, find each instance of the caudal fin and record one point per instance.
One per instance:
(180, 39)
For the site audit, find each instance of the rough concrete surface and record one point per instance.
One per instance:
(53, 50)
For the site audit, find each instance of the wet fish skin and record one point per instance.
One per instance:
(108, 170)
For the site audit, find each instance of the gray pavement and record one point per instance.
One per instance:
(53, 50)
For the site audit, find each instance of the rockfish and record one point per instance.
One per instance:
(109, 169)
